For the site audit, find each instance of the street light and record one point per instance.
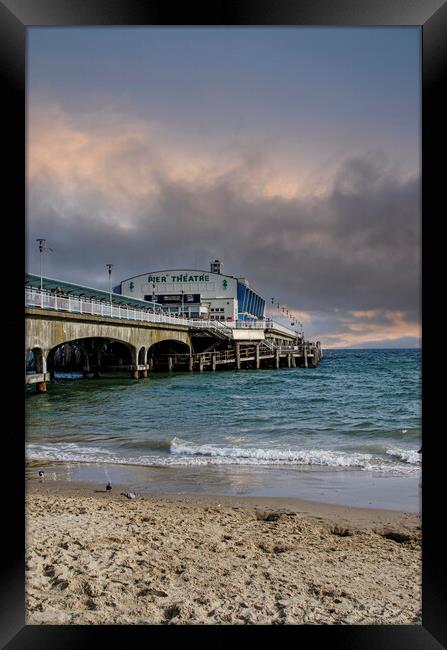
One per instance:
(42, 248)
(109, 268)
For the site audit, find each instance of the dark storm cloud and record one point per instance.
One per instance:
(356, 248)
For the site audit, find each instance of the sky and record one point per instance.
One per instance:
(292, 154)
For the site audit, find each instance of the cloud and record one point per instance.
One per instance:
(366, 329)
(345, 254)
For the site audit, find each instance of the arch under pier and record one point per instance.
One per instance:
(93, 343)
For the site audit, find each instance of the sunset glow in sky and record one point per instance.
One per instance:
(291, 154)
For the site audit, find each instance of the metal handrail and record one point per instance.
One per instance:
(215, 325)
(76, 304)
(34, 297)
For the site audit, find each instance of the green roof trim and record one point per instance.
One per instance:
(78, 290)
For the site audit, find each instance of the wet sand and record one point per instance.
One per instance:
(99, 558)
(321, 484)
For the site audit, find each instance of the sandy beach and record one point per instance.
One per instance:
(99, 558)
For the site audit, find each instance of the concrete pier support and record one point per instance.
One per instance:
(200, 364)
(191, 363)
(289, 360)
(86, 373)
(134, 373)
(41, 387)
(257, 358)
(170, 364)
(143, 373)
(293, 360)
(213, 362)
(306, 365)
(238, 356)
(277, 359)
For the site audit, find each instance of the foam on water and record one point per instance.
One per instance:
(406, 455)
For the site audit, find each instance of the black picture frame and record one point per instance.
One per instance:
(15, 17)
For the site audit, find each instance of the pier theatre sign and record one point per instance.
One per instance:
(178, 278)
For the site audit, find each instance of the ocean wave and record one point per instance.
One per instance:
(183, 453)
(161, 443)
(406, 455)
(272, 456)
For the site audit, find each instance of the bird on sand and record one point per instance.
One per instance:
(129, 495)
(41, 473)
(108, 486)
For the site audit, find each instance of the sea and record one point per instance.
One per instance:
(345, 432)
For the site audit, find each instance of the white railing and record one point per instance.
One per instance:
(248, 324)
(218, 326)
(36, 298)
(46, 300)
(273, 325)
(268, 343)
(266, 324)
(233, 324)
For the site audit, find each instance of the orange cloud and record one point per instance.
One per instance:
(365, 332)
(123, 159)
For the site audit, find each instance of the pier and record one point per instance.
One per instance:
(247, 355)
(79, 334)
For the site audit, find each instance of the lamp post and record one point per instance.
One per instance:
(182, 302)
(109, 268)
(42, 248)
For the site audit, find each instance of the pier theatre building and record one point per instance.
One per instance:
(197, 294)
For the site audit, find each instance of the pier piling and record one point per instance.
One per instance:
(238, 355)
(257, 357)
